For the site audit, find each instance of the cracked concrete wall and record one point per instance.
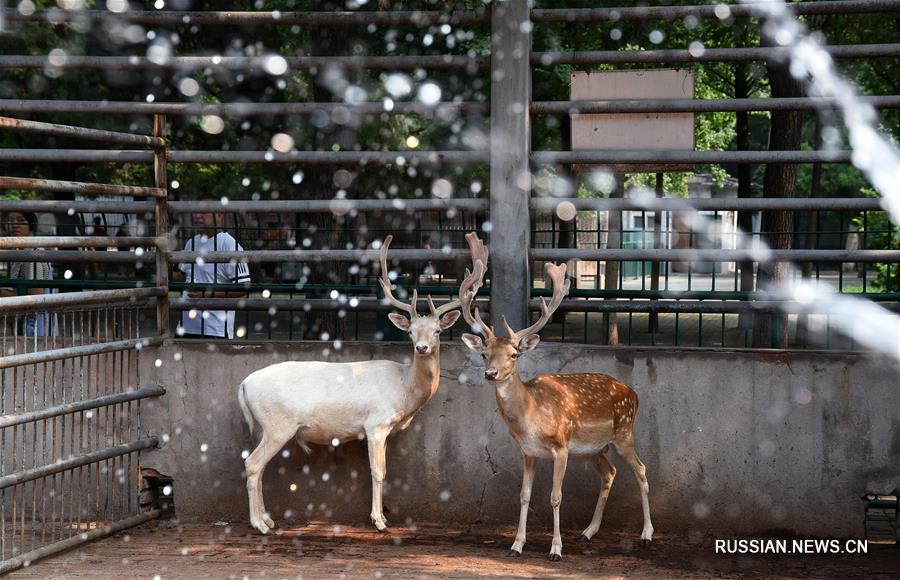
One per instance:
(734, 441)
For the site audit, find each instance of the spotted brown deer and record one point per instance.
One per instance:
(555, 416)
(328, 402)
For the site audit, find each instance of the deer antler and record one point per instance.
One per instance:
(471, 283)
(386, 283)
(560, 289)
(479, 253)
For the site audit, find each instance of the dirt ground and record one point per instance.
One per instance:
(327, 550)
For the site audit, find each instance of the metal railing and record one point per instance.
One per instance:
(517, 216)
(70, 389)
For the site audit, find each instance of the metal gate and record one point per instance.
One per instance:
(70, 387)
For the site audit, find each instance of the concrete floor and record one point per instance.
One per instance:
(321, 550)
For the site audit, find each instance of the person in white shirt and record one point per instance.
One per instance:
(210, 238)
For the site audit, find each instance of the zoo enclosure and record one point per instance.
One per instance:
(71, 393)
(508, 156)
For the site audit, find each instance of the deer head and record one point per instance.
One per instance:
(424, 331)
(501, 354)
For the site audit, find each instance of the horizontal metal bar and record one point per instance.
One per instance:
(649, 156)
(67, 408)
(688, 255)
(81, 132)
(75, 256)
(399, 157)
(708, 55)
(331, 157)
(237, 109)
(80, 461)
(282, 304)
(61, 207)
(701, 105)
(550, 204)
(244, 63)
(78, 187)
(79, 539)
(46, 242)
(30, 358)
(841, 7)
(315, 206)
(248, 18)
(263, 256)
(693, 306)
(317, 157)
(45, 302)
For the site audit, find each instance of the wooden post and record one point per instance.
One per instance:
(510, 178)
(160, 177)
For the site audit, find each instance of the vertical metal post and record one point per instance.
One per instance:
(160, 175)
(510, 144)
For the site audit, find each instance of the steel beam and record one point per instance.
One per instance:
(510, 147)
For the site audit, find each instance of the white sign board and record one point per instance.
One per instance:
(629, 131)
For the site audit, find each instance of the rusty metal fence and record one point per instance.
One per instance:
(70, 389)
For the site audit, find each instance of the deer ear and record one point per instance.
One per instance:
(528, 343)
(449, 319)
(399, 321)
(473, 342)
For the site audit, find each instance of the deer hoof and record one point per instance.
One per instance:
(514, 554)
(645, 543)
(269, 522)
(555, 557)
(582, 538)
(261, 527)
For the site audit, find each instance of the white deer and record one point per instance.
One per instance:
(555, 416)
(323, 402)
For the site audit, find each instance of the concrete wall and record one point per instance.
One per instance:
(733, 441)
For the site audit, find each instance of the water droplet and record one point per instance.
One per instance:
(442, 189)
(429, 94)
(212, 124)
(566, 211)
(275, 64)
(398, 85)
(282, 142)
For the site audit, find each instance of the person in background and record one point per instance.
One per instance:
(98, 228)
(21, 224)
(210, 237)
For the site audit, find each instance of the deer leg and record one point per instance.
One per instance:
(560, 458)
(377, 440)
(255, 465)
(524, 499)
(625, 449)
(608, 474)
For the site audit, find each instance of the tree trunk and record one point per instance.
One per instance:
(744, 171)
(812, 232)
(779, 181)
(611, 267)
(653, 318)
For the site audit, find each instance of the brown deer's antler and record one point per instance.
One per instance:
(560, 289)
(386, 286)
(471, 283)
